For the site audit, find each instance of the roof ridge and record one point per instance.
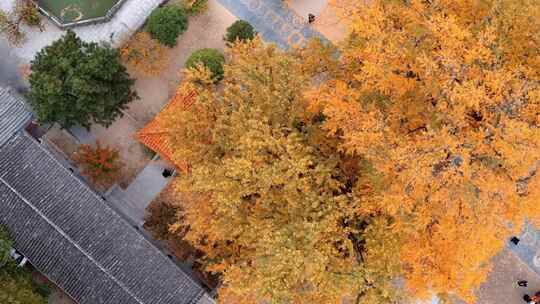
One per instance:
(14, 114)
(93, 193)
(70, 240)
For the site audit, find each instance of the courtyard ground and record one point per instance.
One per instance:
(501, 287)
(286, 26)
(205, 31)
(327, 21)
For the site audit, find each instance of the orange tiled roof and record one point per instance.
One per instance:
(155, 135)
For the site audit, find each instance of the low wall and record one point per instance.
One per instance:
(108, 16)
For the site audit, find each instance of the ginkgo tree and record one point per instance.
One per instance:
(406, 159)
(268, 196)
(441, 98)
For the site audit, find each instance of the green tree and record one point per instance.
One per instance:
(212, 59)
(77, 83)
(5, 245)
(16, 286)
(240, 30)
(166, 23)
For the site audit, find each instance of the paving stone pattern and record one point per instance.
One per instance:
(274, 21)
(528, 249)
(128, 19)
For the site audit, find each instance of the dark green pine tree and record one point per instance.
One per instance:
(79, 83)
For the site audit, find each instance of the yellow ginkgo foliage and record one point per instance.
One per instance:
(441, 98)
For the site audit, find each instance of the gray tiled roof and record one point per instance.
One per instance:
(13, 114)
(74, 238)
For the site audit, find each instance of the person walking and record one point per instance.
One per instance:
(522, 283)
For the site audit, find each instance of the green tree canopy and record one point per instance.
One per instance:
(5, 245)
(212, 59)
(166, 23)
(240, 30)
(77, 83)
(16, 286)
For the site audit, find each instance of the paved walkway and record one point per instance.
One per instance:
(128, 19)
(305, 7)
(328, 20)
(528, 249)
(148, 184)
(274, 21)
(133, 201)
(500, 286)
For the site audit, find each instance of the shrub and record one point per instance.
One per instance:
(212, 59)
(17, 286)
(193, 7)
(78, 83)
(25, 12)
(43, 290)
(5, 245)
(144, 54)
(29, 13)
(166, 23)
(101, 164)
(240, 30)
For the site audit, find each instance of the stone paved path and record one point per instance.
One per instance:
(500, 285)
(528, 249)
(204, 31)
(328, 21)
(128, 19)
(274, 21)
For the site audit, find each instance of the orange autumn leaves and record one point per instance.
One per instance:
(101, 164)
(442, 100)
(262, 201)
(144, 54)
(411, 156)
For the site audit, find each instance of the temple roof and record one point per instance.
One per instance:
(156, 135)
(71, 235)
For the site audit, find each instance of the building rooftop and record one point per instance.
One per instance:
(71, 235)
(156, 134)
(13, 114)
